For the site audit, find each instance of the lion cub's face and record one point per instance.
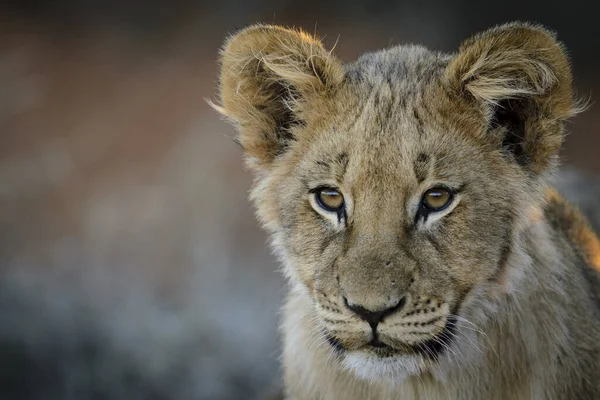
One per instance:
(389, 219)
(393, 186)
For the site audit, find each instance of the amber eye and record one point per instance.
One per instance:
(436, 199)
(329, 199)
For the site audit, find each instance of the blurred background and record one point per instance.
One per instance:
(129, 255)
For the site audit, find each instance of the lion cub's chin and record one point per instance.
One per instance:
(375, 368)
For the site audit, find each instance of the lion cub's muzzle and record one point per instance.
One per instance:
(419, 325)
(373, 318)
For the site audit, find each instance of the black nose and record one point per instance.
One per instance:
(374, 317)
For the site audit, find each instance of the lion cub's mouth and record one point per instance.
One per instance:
(380, 349)
(431, 348)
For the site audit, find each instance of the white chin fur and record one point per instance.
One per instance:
(375, 368)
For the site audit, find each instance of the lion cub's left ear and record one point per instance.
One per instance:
(519, 76)
(271, 80)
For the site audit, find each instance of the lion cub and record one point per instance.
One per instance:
(407, 197)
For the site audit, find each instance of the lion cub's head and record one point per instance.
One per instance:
(394, 186)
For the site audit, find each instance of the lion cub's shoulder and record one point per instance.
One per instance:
(566, 218)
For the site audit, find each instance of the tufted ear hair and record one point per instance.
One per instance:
(269, 77)
(518, 75)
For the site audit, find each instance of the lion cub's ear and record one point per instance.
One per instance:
(269, 77)
(519, 77)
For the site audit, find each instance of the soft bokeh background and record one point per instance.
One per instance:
(131, 266)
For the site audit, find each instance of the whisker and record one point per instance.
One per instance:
(477, 329)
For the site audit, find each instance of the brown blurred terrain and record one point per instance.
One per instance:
(129, 255)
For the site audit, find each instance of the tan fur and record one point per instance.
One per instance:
(495, 297)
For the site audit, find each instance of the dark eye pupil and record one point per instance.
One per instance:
(436, 199)
(330, 199)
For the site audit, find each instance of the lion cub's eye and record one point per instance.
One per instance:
(329, 199)
(436, 199)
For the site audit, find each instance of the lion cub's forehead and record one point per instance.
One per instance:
(384, 125)
(404, 68)
(389, 97)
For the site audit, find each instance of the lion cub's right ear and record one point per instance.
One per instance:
(519, 76)
(269, 77)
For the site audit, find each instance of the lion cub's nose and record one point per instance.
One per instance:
(374, 317)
